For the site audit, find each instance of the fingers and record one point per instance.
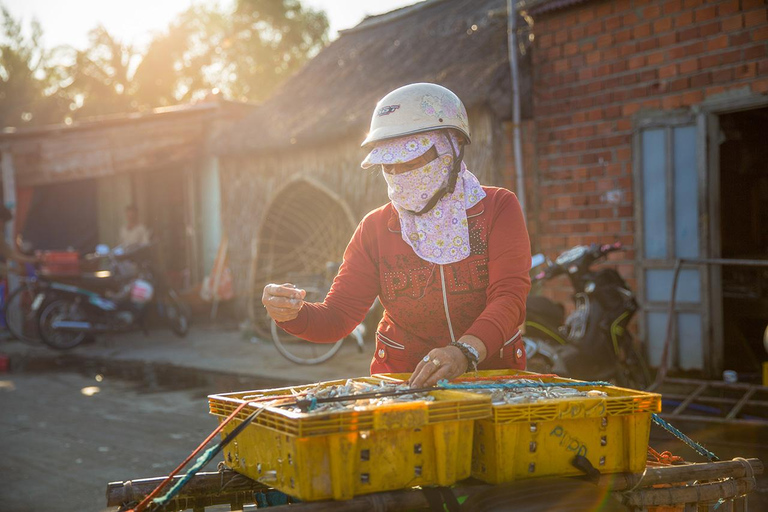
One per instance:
(440, 363)
(283, 302)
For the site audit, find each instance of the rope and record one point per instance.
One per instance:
(503, 377)
(203, 460)
(665, 457)
(517, 385)
(145, 502)
(684, 438)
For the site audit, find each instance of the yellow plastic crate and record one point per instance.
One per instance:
(541, 439)
(337, 455)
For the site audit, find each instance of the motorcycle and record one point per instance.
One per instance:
(593, 342)
(112, 300)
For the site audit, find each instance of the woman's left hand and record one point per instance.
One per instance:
(441, 363)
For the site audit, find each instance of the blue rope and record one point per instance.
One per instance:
(517, 385)
(684, 438)
(204, 459)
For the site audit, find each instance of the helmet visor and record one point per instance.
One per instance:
(400, 150)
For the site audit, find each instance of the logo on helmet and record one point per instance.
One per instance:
(385, 111)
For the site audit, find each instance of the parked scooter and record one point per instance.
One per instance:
(593, 342)
(113, 300)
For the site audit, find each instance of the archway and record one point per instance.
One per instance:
(301, 238)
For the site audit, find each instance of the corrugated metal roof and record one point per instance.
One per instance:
(542, 6)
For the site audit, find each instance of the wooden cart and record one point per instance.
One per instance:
(685, 487)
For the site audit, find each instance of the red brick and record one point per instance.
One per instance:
(739, 39)
(594, 28)
(760, 86)
(683, 19)
(755, 52)
(630, 108)
(722, 75)
(640, 31)
(752, 4)
(760, 34)
(705, 14)
(629, 19)
(762, 67)
(636, 62)
(627, 49)
(576, 33)
(662, 25)
(709, 29)
(668, 71)
(667, 40)
(709, 61)
(717, 43)
(671, 102)
(692, 97)
(604, 10)
(570, 49)
(622, 36)
(688, 66)
(680, 84)
(730, 57)
(729, 7)
(619, 66)
(561, 36)
(654, 59)
(672, 6)
(732, 23)
(593, 57)
(653, 11)
(754, 18)
(586, 15)
(610, 54)
(701, 80)
(746, 70)
(688, 34)
(605, 40)
(612, 23)
(648, 44)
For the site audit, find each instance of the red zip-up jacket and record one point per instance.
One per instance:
(426, 305)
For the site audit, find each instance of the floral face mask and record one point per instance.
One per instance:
(442, 234)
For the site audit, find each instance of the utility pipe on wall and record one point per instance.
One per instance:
(513, 64)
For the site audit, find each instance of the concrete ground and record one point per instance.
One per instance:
(206, 349)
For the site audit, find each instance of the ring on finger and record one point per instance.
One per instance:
(425, 358)
(436, 362)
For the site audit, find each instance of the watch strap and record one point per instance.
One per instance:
(470, 352)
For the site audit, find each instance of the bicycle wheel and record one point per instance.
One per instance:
(60, 309)
(176, 314)
(301, 351)
(19, 317)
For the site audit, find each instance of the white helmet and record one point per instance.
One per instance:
(417, 108)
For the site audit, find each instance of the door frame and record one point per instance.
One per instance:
(708, 120)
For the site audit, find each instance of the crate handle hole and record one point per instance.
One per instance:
(365, 455)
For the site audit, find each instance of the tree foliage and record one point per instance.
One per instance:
(244, 54)
(29, 92)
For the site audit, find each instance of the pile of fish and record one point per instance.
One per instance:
(530, 391)
(351, 388)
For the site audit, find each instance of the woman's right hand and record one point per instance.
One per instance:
(283, 301)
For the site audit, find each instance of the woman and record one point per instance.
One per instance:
(447, 257)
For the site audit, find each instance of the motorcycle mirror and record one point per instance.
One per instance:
(538, 259)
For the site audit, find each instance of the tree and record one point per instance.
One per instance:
(29, 82)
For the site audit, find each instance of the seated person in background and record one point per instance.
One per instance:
(133, 233)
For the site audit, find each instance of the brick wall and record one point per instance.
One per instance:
(600, 63)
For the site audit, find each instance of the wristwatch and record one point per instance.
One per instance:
(470, 352)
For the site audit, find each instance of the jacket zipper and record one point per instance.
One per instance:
(445, 304)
